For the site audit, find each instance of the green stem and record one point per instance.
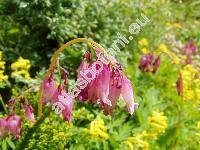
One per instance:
(3, 104)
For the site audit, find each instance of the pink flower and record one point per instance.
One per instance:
(102, 85)
(190, 47)
(107, 88)
(65, 101)
(127, 94)
(29, 113)
(156, 64)
(14, 123)
(3, 127)
(115, 86)
(146, 62)
(48, 89)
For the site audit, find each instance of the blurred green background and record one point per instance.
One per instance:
(34, 29)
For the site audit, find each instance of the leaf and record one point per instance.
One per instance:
(10, 143)
(4, 145)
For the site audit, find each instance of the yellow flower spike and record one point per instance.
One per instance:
(191, 84)
(21, 67)
(143, 42)
(2, 64)
(163, 48)
(157, 122)
(130, 145)
(144, 133)
(2, 76)
(144, 50)
(137, 141)
(97, 129)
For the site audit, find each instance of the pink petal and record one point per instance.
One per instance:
(48, 89)
(14, 125)
(29, 113)
(127, 94)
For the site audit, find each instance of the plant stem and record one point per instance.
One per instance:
(3, 104)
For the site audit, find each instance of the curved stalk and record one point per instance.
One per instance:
(55, 57)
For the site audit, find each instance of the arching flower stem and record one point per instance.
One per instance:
(90, 43)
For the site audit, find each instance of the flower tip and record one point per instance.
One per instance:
(133, 108)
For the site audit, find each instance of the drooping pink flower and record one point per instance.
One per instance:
(102, 85)
(14, 123)
(146, 62)
(83, 95)
(127, 94)
(115, 86)
(65, 102)
(107, 88)
(29, 113)
(3, 127)
(156, 64)
(179, 84)
(190, 48)
(48, 89)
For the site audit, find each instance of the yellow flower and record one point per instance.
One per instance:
(97, 129)
(163, 48)
(175, 59)
(191, 84)
(21, 64)
(157, 122)
(177, 25)
(137, 141)
(1, 55)
(2, 64)
(174, 25)
(198, 125)
(21, 67)
(143, 42)
(168, 24)
(144, 50)
(2, 76)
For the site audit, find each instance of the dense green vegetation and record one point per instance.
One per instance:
(33, 30)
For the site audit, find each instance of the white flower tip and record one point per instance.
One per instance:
(133, 108)
(107, 101)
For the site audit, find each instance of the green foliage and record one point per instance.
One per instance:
(35, 29)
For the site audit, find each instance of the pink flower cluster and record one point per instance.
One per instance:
(97, 81)
(149, 64)
(11, 124)
(189, 49)
(107, 88)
